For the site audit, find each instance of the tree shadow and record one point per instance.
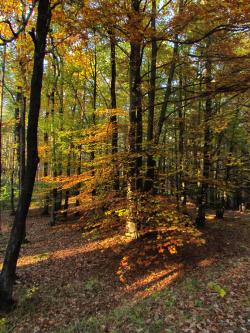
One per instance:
(79, 277)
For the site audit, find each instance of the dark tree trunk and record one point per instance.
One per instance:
(202, 195)
(54, 162)
(45, 211)
(168, 92)
(22, 146)
(113, 118)
(53, 207)
(149, 182)
(181, 128)
(68, 171)
(135, 130)
(165, 103)
(61, 122)
(7, 276)
(17, 127)
(92, 154)
(1, 119)
(12, 187)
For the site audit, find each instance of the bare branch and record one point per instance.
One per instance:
(25, 20)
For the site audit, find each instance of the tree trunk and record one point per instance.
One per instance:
(12, 187)
(92, 154)
(202, 195)
(168, 92)
(1, 119)
(54, 163)
(7, 276)
(135, 132)
(181, 128)
(149, 182)
(22, 147)
(113, 118)
(45, 211)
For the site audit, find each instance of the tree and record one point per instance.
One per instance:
(7, 276)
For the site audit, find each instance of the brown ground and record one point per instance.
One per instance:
(71, 273)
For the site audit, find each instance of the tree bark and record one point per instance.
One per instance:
(22, 142)
(167, 95)
(181, 144)
(92, 154)
(1, 119)
(149, 182)
(113, 118)
(45, 210)
(202, 195)
(7, 276)
(135, 129)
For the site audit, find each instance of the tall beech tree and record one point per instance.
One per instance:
(113, 118)
(149, 181)
(39, 35)
(135, 119)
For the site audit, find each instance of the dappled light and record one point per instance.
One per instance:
(153, 282)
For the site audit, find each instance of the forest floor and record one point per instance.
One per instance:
(70, 280)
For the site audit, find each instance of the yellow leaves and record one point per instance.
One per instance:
(77, 61)
(98, 133)
(123, 268)
(42, 150)
(221, 126)
(10, 7)
(112, 112)
(9, 123)
(217, 288)
(11, 16)
(172, 249)
(124, 261)
(122, 279)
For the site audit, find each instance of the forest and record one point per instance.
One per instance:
(124, 166)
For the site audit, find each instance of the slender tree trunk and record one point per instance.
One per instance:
(177, 174)
(167, 95)
(60, 93)
(45, 211)
(17, 127)
(1, 120)
(54, 163)
(92, 154)
(22, 141)
(181, 127)
(165, 104)
(202, 195)
(68, 172)
(22, 148)
(135, 131)
(7, 276)
(113, 118)
(149, 182)
(12, 185)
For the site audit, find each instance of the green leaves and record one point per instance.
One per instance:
(217, 288)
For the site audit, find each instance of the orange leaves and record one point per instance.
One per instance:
(112, 112)
(161, 250)
(94, 134)
(172, 249)
(172, 229)
(123, 268)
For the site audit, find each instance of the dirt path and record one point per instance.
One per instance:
(69, 278)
